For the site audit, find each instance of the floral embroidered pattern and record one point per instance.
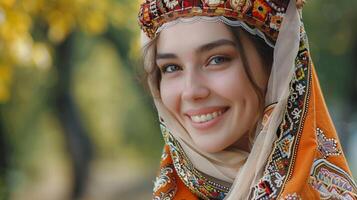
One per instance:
(276, 20)
(170, 3)
(144, 13)
(165, 185)
(326, 146)
(264, 15)
(260, 10)
(193, 179)
(164, 155)
(163, 179)
(167, 195)
(332, 182)
(264, 188)
(285, 146)
(212, 2)
(237, 4)
(279, 166)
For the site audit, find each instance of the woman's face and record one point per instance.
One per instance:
(205, 86)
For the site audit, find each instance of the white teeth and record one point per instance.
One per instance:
(215, 114)
(206, 117)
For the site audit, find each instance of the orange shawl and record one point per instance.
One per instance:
(316, 170)
(306, 161)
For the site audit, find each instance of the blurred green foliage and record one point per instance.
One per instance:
(331, 30)
(114, 110)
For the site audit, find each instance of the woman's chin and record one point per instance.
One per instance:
(209, 146)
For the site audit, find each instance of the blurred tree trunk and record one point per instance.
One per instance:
(353, 87)
(4, 161)
(123, 47)
(351, 106)
(79, 144)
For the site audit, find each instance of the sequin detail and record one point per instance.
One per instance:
(293, 196)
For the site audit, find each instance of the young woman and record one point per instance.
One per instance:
(240, 106)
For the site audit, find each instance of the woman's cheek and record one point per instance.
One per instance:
(231, 83)
(170, 95)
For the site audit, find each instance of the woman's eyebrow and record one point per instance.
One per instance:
(215, 44)
(203, 48)
(165, 56)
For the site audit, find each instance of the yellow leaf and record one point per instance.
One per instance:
(5, 73)
(94, 22)
(7, 3)
(20, 50)
(5, 79)
(60, 23)
(41, 56)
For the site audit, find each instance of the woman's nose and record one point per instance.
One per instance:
(195, 88)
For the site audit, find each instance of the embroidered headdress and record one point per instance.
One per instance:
(296, 153)
(266, 15)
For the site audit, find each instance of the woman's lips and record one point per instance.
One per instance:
(206, 118)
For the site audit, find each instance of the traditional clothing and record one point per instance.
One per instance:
(296, 153)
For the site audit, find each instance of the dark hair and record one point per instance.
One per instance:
(265, 52)
(150, 67)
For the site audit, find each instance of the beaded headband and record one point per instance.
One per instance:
(265, 15)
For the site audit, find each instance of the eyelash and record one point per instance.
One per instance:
(165, 67)
(225, 59)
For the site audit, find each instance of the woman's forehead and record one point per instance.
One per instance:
(192, 35)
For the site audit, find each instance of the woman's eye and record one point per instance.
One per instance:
(170, 68)
(218, 60)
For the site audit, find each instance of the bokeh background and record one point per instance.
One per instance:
(75, 121)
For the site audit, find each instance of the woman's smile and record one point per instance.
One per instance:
(205, 118)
